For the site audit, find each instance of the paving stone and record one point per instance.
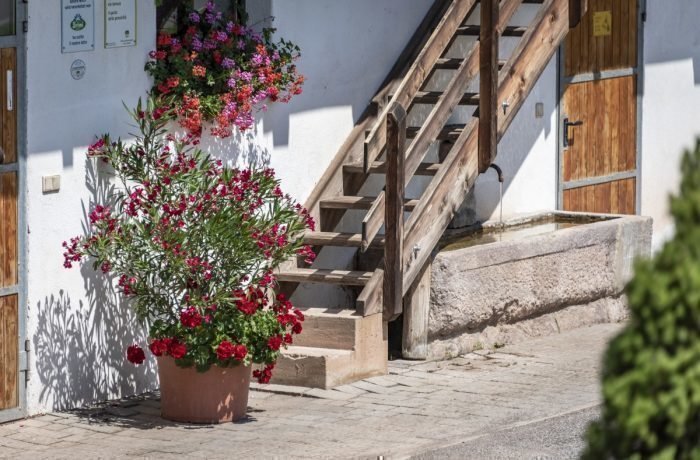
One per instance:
(415, 406)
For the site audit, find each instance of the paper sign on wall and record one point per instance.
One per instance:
(120, 23)
(77, 25)
(602, 23)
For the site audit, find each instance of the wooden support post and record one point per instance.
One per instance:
(415, 317)
(488, 84)
(577, 9)
(393, 214)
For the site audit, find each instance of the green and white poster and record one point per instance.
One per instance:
(120, 23)
(77, 25)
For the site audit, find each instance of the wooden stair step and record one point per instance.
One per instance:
(358, 202)
(312, 275)
(449, 132)
(432, 97)
(352, 348)
(379, 167)
(351, 240)
(454, 63)
(474, 31)
(330, 328)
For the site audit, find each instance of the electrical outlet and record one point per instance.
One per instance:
(50, 184)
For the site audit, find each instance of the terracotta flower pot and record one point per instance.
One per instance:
(216, 396)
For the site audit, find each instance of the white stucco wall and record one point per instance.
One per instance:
(77, 328)
(78, 334)
(671, 103)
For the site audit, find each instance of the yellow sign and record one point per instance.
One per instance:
(602, 23)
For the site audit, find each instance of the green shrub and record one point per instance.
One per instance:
(651, 372)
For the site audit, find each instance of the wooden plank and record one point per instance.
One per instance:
(8, 66)
(359, 202)
(488, 84)
(393, 214)
(415, 317)
(311, 275)
(333, 239)
(618, 197)
(379, 167)
(8, 230)
(9, 352)
(373, 220)
(418, 72)
(370, 301)
(432, 97)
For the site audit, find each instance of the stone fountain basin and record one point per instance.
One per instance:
(533, 283)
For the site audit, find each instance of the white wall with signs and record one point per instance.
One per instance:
(78, 330)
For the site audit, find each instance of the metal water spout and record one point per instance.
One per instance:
(501, 179)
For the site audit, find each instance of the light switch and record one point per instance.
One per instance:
(539, 110)
(50, 184)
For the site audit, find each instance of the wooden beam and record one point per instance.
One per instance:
(577, 9)
(414, 344)
(393, 215)
(488, 83)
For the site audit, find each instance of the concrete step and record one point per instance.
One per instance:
(330, 365)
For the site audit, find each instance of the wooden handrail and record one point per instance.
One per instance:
(417, 74)
(437, 118)
(460, 168)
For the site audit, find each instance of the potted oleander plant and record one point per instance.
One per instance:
(192, 245)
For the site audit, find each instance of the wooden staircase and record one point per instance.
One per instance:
(346, 343)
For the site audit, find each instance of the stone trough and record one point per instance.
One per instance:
(539, 275)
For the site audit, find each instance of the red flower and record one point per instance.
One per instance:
(190, 318)
(248, 307)
(227, 350)
(177, 349)
(275, 342)
(159, 347)
(135, 354)
(296, 328)
(264, 375)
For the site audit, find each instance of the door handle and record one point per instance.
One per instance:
(567, 125)
(10, 91)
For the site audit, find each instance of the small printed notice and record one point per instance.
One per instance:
(120, 23)
(602, 23)
(77, 25)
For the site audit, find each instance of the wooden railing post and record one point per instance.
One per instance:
(393, 215)
(488, 84)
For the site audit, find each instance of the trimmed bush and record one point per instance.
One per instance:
(651, 372)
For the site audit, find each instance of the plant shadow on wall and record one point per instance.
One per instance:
(80, 348)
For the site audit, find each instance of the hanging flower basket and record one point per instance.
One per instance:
(220, 72)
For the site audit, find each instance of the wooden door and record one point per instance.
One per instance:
(598, 151)
(9, 246)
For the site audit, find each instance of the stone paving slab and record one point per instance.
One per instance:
(416, 408)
